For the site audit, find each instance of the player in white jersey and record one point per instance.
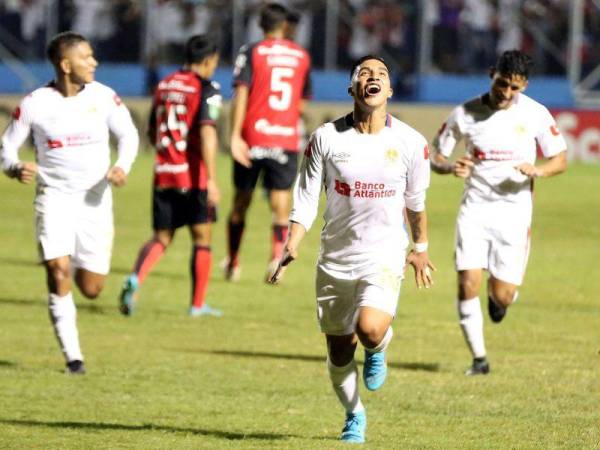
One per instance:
(502, 130)
(372, 167)
(70, 120)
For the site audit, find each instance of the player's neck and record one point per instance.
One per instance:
(369, 122)
(275, 34)
(66, 87)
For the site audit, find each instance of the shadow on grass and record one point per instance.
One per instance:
(6, 363)
(20, 262)
(229, 435)
(416, 366)
(124, 271)
(23, 301)
(83, 304)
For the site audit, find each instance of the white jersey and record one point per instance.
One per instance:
(498, 141)
(368, 180)
(71, 136)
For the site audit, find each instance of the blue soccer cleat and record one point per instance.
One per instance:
(204, 310)
(374, 370)
(354, 428)
(127, 296)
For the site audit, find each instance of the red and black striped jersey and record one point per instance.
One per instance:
(277, 73)
(183, 101)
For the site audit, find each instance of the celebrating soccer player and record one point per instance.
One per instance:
(70, 119)
(372, 167)
(271, 78)
(502, 130)
(183, 131)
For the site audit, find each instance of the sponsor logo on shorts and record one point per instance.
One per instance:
(277, 154)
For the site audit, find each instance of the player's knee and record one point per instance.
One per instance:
(504, 297)
(370, 334)
(468, 287)
(91, 290)
(58, 273)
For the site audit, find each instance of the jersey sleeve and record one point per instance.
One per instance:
(210, 103)
(449, 134)
(121, 125)
(309, 182)
(15, 135)
(242, 71)
(418, 176)
(548, 136)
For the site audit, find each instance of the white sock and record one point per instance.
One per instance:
(345, 384)
(471, 323)
(387, 338)
(64, 319)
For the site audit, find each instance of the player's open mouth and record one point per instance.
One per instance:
(373, 89)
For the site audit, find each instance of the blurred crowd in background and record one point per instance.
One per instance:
(466, 35)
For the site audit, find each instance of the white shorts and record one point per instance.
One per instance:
(499, 245)
(79, 225)
(340, 294)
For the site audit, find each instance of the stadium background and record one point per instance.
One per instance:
(256, 378)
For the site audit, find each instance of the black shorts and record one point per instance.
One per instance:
(277, 165)
(174, 208)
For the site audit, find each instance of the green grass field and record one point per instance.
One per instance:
(256, 378)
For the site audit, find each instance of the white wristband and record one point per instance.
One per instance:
(421, 247)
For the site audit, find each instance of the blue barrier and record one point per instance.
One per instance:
(132, 80)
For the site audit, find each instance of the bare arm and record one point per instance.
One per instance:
(290, 251)
(239, 147)
(208, 150)
(419, 258)
(555, 165)
(461, 168)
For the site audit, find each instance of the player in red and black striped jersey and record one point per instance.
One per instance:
(182, 128)
(271, 81)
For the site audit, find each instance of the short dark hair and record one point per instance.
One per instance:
(514, 62)
(199, 47)
(293, 17)
(59, 43)
(361, 60)
(272, 16)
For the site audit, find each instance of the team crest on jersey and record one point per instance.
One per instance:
(391, 155)
(521, 130)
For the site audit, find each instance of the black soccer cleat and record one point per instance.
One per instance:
(495, 311)
(75, 367)
(480, 367)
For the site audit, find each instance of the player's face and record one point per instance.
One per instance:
(371, 84)
(211, 64)
(79, 63)
(504, 89)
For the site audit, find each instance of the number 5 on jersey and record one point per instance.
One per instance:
(281, 88)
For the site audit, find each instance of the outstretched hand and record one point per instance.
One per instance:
(422, 267)
(289, 255)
